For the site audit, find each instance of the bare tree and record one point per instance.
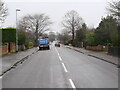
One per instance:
(36, 23)
(3, 11)
(72, 22)
(52, 36)
(30, 35)
(114, 8)
(64, 36)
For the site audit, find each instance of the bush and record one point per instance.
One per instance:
(30, 44)
(90, 39)
(77, 43)
(21, 38)
(68, 42)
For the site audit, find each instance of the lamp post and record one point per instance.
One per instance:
(16, 31)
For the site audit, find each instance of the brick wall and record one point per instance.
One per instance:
(97, 48)
(12, 47)
(0, 50)
(21, 47)
(4, 49)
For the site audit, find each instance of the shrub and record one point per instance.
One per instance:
(21, 38)
(30, 44)
(90, 39)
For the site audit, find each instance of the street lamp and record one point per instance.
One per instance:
(16, 31)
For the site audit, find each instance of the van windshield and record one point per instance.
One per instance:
(43, 41)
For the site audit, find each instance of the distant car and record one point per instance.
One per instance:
(57, 44)
(44, 44)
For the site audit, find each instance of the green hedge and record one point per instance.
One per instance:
(21, 38)
(8, 35)
(30, 43)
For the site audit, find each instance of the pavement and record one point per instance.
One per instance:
(100, 55)
(11, 59)
(61, 67)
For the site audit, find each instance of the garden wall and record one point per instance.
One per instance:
(97, 48)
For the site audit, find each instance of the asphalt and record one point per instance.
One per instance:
(10, 60)
(61, 68)
(100, 55)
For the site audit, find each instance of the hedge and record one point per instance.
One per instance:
(8, 35)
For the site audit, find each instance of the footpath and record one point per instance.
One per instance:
(9, 61)
(100, 55)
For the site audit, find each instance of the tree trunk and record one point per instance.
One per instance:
(36, 33)
(73, 34)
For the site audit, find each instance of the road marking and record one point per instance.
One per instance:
(56, 50)
(64, 67)
(70, 80)
(72, 84)
(60, 58)
(0, 77)
(61, 61)
(58, 55)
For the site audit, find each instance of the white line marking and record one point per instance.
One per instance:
(64, 67)
(58, 55)
(56, 50)
(72, 84)
(60, 58)
(0, 77)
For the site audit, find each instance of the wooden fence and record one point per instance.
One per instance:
(115, 51)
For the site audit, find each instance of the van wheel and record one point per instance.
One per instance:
(39, 48)
(48, 48)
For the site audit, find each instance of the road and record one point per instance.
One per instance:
(62, 68)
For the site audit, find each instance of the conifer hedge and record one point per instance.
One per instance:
(8, 35)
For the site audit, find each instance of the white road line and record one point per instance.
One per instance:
(60, 58)
(58, 55)
(56, 50)
(64, 67)
(72, 84)
(61, 61)
(70, 80)
(0, 77)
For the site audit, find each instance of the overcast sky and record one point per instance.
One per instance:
(90, 10)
